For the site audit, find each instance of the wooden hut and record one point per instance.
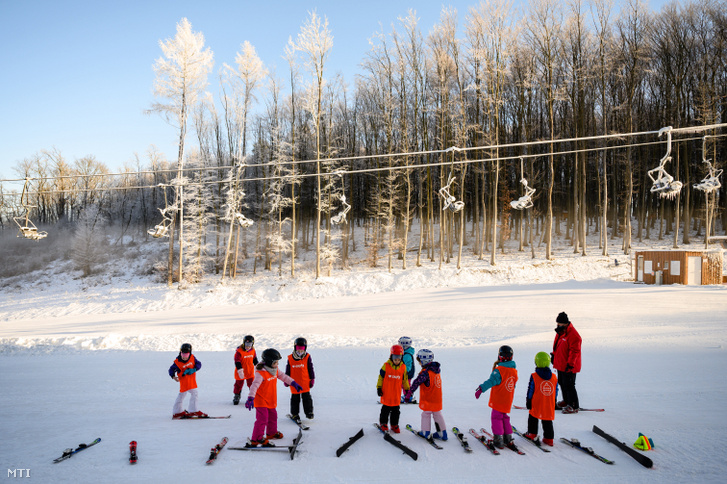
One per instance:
(688, 267)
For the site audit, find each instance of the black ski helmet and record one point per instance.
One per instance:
(505, 353)
(248, 339)
(270, 355)
(300, 342)
(186, 348)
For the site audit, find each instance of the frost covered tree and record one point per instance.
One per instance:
(89, 247)
(198, 200)
(543, 31)
(315, 41)
(244, 81)
(181, 78)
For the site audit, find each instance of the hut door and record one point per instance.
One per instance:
(694, 271)
(640, 269)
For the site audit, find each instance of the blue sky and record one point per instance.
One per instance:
(77, 75)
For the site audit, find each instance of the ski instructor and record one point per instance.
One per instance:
(566, 357)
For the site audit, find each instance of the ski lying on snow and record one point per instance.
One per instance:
(536, 442)
(490, 446)
(429, 439)
(510, 446)
(640, 458)
(577, 445)
(350, 442)
(132, 452)
(70, 452)
(216, 450)
(396, 443)
(579, 409)
(298, 422)
(462, 440)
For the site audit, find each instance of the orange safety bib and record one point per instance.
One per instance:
(267, 392)
(391, 385)
(299, 373)
(248, 366)
(501, 395)
(430, 397)
(186, 382)
(543, 402)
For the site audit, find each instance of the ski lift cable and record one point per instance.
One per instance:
(690, 129)
(351, 172)
(363, 170)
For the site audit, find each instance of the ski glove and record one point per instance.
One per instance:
(312, 382)
(379, 391)
(297, 387)
(241, 373)
(478, 392)
(190, 371)
(250, 403)
(407, 396)
(529, 403)
(568, 368)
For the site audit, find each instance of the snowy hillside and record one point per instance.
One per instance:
(85, 359)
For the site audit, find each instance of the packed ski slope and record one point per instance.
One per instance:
(81, 361)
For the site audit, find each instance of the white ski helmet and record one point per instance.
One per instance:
(405, 342)
(425, 356)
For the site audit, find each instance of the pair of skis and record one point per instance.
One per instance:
(396, 443)
(537, 443)
(197, 417)
(488, 441)
(429, 439)
(290, 449)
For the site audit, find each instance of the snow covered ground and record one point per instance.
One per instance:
(82, 360)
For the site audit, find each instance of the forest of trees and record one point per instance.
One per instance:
(569, 98)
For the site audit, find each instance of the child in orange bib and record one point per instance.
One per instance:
(184, 370)
(429, 383)
(264, 398)
(392, 378)
(502, 382)
(245, 361)
(300, 369)
(542, 395)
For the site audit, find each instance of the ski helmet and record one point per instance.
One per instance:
(300, 342)
(542, 360)
(397, 350)
(248, 339)
(186, 348)
(405, 342)
(271, 355)
(425, 356)
(505, 353)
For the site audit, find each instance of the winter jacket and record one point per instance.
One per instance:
(300, 370)
(408, 359)
(502, 380)
(245, 361)
(189, 381)
(429, 382)
(392, 378)
(567, 350)
(542, 394)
